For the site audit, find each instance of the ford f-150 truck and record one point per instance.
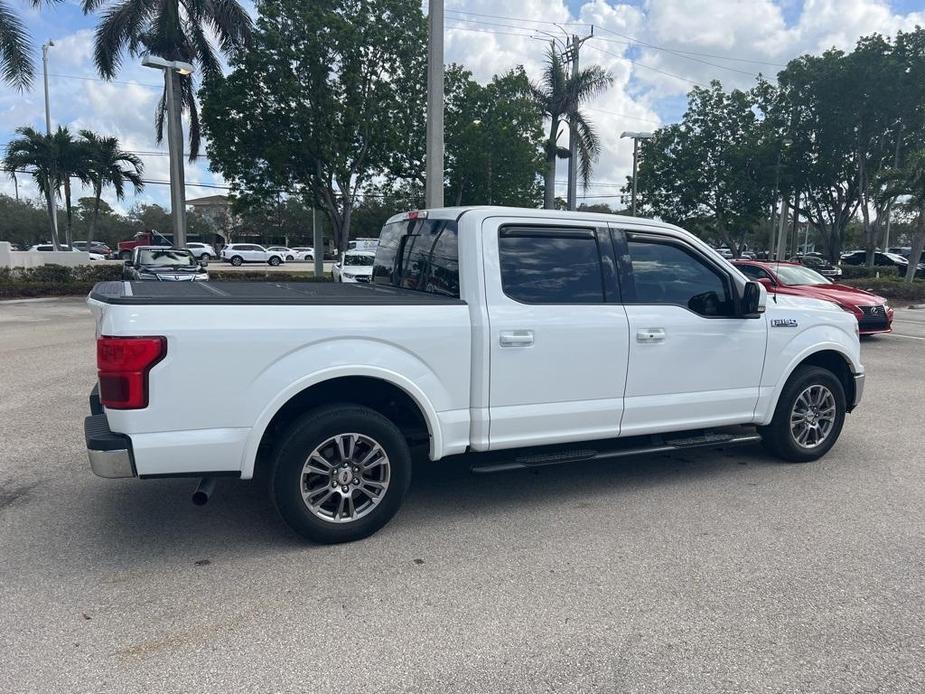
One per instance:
(513, 337)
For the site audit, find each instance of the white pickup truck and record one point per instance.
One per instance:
(513, 337)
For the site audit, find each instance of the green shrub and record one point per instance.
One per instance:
(55, 280)
(860, 271)
(892, 288)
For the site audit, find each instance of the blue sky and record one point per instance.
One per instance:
(656, 50)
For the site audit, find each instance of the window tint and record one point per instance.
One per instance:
(540, 267)
(667, 274)
(753, 272)
(419, 254)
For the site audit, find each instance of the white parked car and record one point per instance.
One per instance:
(514, 337)
(288, 254)
(304, 253)
(201, 251)
(357, 266)
(363, 244)
(240, 253)
(49, 248)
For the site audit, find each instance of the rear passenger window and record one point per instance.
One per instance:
(541, 266)
(419, 254)
(666, 274)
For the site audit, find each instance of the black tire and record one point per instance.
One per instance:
(206, 257)
(778, 437)
(309, 432)
(274, 261)
(237, 260)
(290, 258)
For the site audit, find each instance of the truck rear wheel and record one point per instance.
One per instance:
(809, 416)
(340, 474)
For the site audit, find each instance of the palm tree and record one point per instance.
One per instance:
(108, 166)
(37, 153)
(173, 30)
(72, 161)
(560, 96)
(15, 50)
(910, 181)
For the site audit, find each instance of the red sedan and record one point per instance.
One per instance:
(873, 313)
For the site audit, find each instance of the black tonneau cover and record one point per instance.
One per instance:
(256, 293)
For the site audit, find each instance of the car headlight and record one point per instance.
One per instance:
(147, 276)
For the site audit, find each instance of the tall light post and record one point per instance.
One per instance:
(51, 188)
(637, 136)
(172, 69)
(433, 173)
(571, 195)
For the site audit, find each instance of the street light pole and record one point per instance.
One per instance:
(51, 188)
(433, 173)
(172, 70)
(636, 138)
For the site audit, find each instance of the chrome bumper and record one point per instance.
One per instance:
(111, 464)
(858, 390)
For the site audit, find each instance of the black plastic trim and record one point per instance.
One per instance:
(205, 473)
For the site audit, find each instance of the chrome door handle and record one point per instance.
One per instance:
(517, 338)
(650, 335)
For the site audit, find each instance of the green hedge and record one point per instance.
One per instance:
(859, 271)
(892, 288)
(54, 280)
(58, 280)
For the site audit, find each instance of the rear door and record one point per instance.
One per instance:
(558, 333)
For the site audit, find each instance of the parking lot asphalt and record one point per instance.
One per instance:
(707, 571)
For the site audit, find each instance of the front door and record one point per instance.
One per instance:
(692, 364)
(558, 333)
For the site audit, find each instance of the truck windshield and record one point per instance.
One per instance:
(419, 254)
(166, 257)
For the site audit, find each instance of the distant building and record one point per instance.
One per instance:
(216, 209)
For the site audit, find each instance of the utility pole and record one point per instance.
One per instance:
(636, 138)
(572, 55)
(51, 187)
(172, 70)
(782, 230)
(433, 172)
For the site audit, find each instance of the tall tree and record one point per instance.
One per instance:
(494, 140)
(560, 96)
(108, 165)
(72, 164)
(173, 30)
(37, 153)
(910, 181)
(319, 107)
(712, 170)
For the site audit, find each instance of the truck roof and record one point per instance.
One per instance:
(578, 215)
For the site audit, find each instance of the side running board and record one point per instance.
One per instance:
(519, 459)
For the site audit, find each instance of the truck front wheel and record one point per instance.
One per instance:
(340, 474)
(809, 416)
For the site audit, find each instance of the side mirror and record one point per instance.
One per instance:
(754, 300)
(767, 282)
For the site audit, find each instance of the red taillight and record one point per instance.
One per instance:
(123, 364)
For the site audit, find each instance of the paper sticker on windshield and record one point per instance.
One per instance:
(783, 323)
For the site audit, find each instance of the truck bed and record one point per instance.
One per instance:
(262, 293)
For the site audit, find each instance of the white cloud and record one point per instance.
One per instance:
(655, 50)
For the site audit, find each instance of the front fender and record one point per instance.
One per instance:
(787, 351)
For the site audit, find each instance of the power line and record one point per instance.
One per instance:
(516, 19)
(696, 60)
(643, 65)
